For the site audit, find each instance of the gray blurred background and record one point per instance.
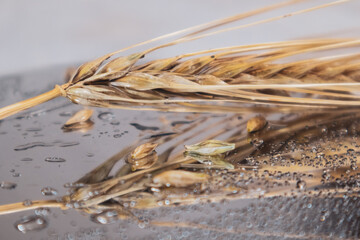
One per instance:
(40, 33)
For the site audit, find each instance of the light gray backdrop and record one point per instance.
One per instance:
(39, 33)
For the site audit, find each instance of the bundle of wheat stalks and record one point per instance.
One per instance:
(230, 79)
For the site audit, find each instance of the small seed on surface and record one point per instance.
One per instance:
(256, 123)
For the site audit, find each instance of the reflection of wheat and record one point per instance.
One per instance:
(92, 192)
(267, 172)
(231, 79)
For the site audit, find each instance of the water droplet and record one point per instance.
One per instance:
(115, 123)
(141, 225)
(343, 131)
(55, 159)
(32, 145)
(31, 223)
(142, 128)
(27, 202)
(257, 142)
(301, 184)
(68, 144)
(106, 116)
(105, 217)
(74, 185)
(48, 191)
(350, 151)
(16, 174)
(8, 185)
(42, 211)
(118, 135)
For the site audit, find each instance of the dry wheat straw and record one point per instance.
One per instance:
(231, 79)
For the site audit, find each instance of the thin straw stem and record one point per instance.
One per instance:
(31, 102)
(194, 30)
(19, 207)
(187, 39)
(327, 86)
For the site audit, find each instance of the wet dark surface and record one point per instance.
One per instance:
(37, 158)
(36, 153)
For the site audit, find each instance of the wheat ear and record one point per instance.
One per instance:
(120, 83)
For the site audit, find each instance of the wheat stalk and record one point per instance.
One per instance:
(231, 79)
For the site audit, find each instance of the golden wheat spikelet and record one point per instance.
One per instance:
(231, 79)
